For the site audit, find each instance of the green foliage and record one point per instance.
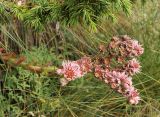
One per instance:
(41, 56)
(38, 13)
(29, 92)
(26, 92)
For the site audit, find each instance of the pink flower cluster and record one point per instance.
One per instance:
(72, 70)
(133, 67)
(133, 47)
(122, 50)
(125, 46)
(119, 78)
(120, 82)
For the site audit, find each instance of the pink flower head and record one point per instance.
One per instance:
(133, 48)
(134, 100)
(98, 72)
(71, 70)
(133, 96)
(114, 78)
(133, 66)
(86, 64)
(136, 48)
(126, 82)
(118, 75)
(107, 76)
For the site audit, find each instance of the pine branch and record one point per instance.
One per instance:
(88, 13)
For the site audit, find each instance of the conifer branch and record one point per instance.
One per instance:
(38, 13)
